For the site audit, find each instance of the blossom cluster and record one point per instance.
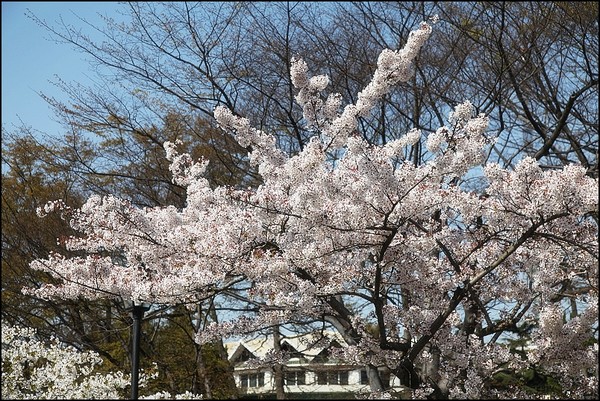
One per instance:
(33, 369)
(393, 66)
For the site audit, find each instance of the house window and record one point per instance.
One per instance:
(252, 380)
(332, 377)
(295, 378)
(322, 378)
(364, 378)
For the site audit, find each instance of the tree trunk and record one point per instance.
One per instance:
(201, 373)
(375, 382)
(278, 368)
(431, 374)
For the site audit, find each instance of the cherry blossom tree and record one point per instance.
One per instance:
(33, 369)
(416, 270)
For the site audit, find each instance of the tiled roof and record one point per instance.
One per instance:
(309, 345)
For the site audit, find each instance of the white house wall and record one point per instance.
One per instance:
(311, 385)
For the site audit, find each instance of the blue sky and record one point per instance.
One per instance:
(30, 60)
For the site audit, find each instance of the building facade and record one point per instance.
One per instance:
(309, 371)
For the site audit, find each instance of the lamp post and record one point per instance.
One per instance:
(137, 313)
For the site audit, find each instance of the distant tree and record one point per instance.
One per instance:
(533, 68)
(183, 361)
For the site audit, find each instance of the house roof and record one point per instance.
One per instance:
(309, 344)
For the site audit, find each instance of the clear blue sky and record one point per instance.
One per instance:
(30, 60)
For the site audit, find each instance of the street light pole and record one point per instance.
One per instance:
(137, 313)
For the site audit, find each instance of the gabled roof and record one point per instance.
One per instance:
(237, 353)
(309, 345)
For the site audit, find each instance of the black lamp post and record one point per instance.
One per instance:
(137, 313)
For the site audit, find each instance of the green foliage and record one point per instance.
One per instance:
(220, 375)
(184, 365)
